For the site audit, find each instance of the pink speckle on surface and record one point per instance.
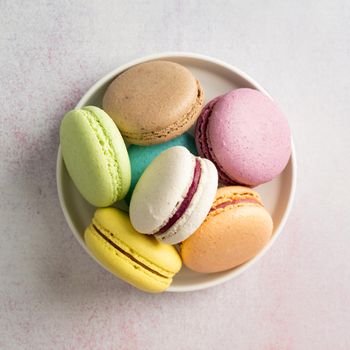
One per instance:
(54, 296)
(21, 137)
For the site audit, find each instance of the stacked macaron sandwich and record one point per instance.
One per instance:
(190, 199)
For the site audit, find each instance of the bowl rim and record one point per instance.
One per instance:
(208, 59)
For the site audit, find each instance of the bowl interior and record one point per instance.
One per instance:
(216, 78)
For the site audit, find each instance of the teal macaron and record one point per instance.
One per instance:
(142, 156)
(95, 155)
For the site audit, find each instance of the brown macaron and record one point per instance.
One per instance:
(154, 102)
(235, 230)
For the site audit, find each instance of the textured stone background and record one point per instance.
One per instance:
(54, 296)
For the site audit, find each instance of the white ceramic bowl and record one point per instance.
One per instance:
(216, 77)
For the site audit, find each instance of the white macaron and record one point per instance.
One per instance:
(173, 195)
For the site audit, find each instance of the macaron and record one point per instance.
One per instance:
(173, 195)
(235, 230)
(95, 155)
(142, 156)
(154, 102)
(137, 259)
(245, 135)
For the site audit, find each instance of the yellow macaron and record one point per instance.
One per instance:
(137, 259)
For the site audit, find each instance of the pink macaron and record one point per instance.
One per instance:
(245, 135)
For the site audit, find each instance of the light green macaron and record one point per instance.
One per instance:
(95, 155)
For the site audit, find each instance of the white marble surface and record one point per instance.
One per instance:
(54, 296)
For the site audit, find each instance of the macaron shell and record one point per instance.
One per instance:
(154, 102)
(202, 143)
(229, 191)
(201, 128)
(118, 222)
(122, 267)
(135, 252)
(142, 156)
(95, 155)
(161, 189)
(120, 153)
(198, 209)
(249, 137)
(227, 239)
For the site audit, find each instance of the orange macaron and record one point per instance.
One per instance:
(236, 229)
